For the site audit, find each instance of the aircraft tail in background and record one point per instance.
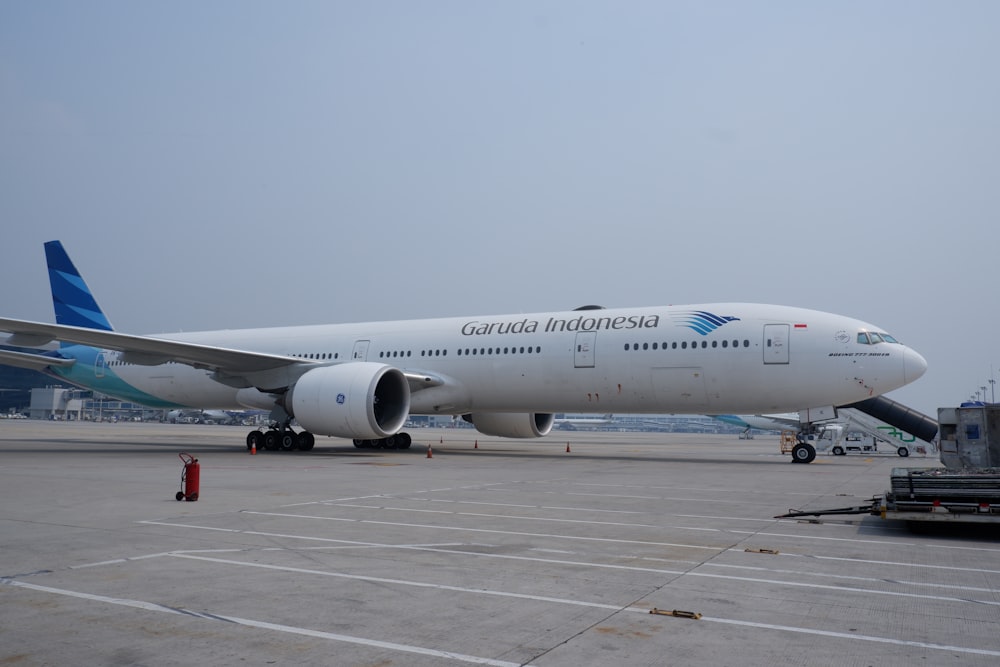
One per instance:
(73, 302)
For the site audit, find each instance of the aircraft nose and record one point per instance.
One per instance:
(914, 365)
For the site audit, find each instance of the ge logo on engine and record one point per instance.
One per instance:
(340, 399)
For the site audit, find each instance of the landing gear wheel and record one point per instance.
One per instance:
(903, 451)
(255, 438)
(803, 453)
(838, 451)
(271, 441)
(306, 441)
(403, 440)
(287, 441)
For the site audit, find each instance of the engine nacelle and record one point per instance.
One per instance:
(512, 424)
(352, 400)
(255, 399)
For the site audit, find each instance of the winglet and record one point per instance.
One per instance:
(71, 298)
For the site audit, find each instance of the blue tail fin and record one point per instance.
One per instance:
(73, 302)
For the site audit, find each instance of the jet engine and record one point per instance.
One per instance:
(511, 425)
(354, 400)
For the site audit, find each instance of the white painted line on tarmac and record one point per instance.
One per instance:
(843, 589)
(823, 538)
(509, 516)
(117, 561)
(719, 518)
(389, 508)
(847, 577)
(149, 606)
(403, 582)
(714, 492)
(454, 552)
(610, 607)
(487, 530)
(629, 568)
(375, 643)
(892, 543)
(890, 563)
(607, 495)
(993, 550)
(857, 637)
(536, 507)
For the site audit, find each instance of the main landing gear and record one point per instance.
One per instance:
(803, 452)
(284, 439)
(398, 441)
(280, 439)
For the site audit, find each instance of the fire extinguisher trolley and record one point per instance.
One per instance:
(190, 478)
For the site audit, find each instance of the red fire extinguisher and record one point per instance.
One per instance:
(190, 478)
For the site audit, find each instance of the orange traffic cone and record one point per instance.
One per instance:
(253, 448)
(567, 446)
(477, 445)
(430, 454)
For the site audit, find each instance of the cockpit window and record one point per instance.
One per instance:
(872, 338)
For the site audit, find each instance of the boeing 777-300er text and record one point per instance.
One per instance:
(506, 374)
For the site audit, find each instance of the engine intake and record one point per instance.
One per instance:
(353, 400)
(512, 424)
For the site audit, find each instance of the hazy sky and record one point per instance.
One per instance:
(234, 164)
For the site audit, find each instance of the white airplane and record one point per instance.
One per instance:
(506, 374)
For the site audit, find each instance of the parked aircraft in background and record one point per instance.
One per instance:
(200, 416)
(788, 421)
(506, 374)
(573, 423)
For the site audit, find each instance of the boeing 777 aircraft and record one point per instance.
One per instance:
(506, 374)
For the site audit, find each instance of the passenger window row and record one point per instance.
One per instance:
(683, 345)
(465, 352)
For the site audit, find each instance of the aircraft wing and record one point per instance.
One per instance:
(31, 360)
(238, 368)
(235, 368)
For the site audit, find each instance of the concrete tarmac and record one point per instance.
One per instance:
(509, 553)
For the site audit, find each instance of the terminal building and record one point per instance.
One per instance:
(57, 403)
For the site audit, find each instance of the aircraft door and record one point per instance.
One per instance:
(775, 343)
(360, 350)
(583, 354)
(100, 364)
